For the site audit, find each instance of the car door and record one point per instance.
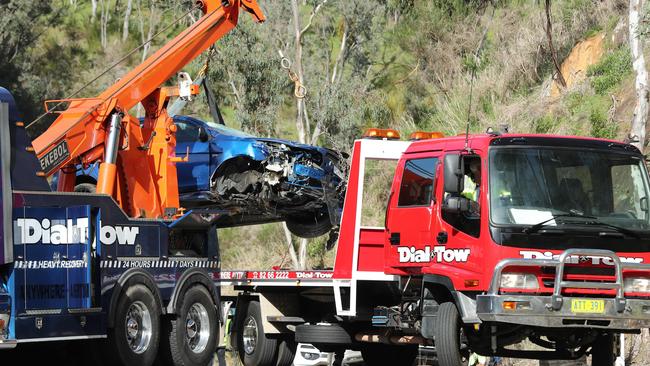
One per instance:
(411, 211)
(193, 175)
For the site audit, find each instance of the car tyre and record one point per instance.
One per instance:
(254, 348)
(384, 354)
(85, 188)
(191, 339)
(603, 352)
(448, 335)
(309, 225)
(135, 336)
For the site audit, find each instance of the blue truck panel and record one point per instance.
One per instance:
(72, 256)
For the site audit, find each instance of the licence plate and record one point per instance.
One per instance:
(587, 306)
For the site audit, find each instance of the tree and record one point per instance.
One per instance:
(36, 62)
(127, 17)
(639, 120)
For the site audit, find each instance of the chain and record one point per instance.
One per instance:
(299, 90)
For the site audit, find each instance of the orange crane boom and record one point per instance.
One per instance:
(137, 160)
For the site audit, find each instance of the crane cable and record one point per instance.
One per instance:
(115, 64)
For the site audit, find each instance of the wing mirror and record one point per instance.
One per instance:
(453, 202)
(203, 135)
(453, 174)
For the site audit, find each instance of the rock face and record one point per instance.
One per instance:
(574, 67)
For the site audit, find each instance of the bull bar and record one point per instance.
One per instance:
(555, 310)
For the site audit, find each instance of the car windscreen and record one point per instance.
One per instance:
(568, 187)
(226, 130)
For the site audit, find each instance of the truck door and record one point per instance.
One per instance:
(52, 257)
(411, 210)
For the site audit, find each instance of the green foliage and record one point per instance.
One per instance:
(546, 124)
(600, 127)
(610, 71)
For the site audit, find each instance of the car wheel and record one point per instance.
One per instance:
(85, 188)
(254, 348)
(309, 225)
(191, 336)
(384, 354)
(134, 339)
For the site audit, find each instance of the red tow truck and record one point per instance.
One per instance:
(487, 240)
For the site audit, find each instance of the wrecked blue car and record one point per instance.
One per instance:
(262, 179)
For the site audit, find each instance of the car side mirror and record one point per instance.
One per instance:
(453, 174)
(203, 135)
(456, 205)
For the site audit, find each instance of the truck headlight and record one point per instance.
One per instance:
(636, 284)
(527, 281)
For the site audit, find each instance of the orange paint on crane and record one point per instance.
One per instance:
(143, 180)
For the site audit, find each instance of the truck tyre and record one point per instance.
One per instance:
(254, 348)
(286, 352)
(134, 338)
(191, 337)
(385, 354)
(325, 337)
(603, 351)
(448, 335)
(310, 225)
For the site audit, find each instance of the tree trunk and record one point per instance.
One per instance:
(94, 11)
(297, 63)
(127, 17)
(292, 250)
(103, 22)
(638, 64)
(549, 35)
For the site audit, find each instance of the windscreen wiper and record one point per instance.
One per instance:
(535, 228)
(619, 229)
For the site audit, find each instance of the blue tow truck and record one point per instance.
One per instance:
(74, 266)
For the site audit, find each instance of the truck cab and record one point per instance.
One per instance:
(508, 237)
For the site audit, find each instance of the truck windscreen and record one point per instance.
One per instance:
(562, 189)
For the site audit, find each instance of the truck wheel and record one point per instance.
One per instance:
(448, 335)
(134, 339)
(286, 352)
(192, 337)
(384, 354)
(602, 350)
(255, 349)
(325, 337)
(309, 225)
(322, 333)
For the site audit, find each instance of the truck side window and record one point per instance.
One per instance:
(468, 222)
(417, 182)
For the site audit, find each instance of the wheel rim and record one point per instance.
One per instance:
(138, 328)
(197, 328)
(249, 335)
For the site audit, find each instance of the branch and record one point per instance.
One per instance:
(314, 11)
